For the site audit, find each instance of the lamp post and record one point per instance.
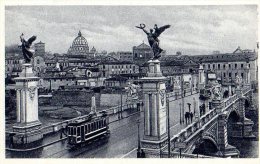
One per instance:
(182, 98)
(121, 108)
(168, 126)
(180, 113)
(189, 104)
(139, 144)
(195, 105)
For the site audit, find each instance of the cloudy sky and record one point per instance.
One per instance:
(195, 29)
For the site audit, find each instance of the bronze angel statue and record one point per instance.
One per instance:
(26, 48)
(152, 37)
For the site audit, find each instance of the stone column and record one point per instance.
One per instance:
(28, 125)
(245, 124)
(225, 150)
(93, 104)
(230, 90)
(154, 94)
(201, 77)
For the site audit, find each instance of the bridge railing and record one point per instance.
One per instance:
(183, 155)
(230, 100)
(246, 89)
(185, 133)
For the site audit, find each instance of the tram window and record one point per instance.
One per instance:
(74, 131)
(82, 128)
(104, 122)
(101, 123)
(92, 127)
(89, 128)
(98, 125)
(78, 131)
(86, 128)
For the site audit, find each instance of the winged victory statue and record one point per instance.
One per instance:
(26, 48)
(152, 37)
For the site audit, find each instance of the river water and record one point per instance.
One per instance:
(249, 148)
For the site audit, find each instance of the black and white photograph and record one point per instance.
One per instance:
(130, 81)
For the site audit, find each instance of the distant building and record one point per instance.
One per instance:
(13, 64)
(142, 53)
(116, 81)
(39, 49)
(39, 65)
(108, 68)
(227, 66)
(80, 48)
(125, 56)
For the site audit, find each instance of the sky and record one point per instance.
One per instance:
(195, 30)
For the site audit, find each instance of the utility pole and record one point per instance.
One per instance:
(121, 112)
(182, 98)
(139, 144)
(168, 126)
(180, 113)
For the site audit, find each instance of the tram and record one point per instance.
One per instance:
(81, 131)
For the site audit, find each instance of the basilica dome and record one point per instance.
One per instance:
(79, 46)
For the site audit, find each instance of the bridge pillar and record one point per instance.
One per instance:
(154, 93)
(27, 127)
(245, 125)
(225, 150)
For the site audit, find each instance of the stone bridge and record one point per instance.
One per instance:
(211, 131)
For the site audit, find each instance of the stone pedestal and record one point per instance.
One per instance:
(28, 126)
(154, 93)
(243, 129)
(225, 150)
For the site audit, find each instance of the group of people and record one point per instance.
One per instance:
(202, 109)
(188, 117)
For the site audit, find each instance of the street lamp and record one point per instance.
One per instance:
(189, 104)
(180, 113)
(168, 126)
(139, 144)
(182, 97)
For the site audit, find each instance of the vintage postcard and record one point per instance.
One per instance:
(93, 80)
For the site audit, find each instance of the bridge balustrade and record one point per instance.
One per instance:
(183, 155)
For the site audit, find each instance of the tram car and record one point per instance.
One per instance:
(81, 131)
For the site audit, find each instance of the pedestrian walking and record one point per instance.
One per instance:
(142, 154)
(11, 144)
(191, 116)
(61, 132)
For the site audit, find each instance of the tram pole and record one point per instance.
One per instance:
(139, 143)
(168, 127)
(182, 97)
(121, 108)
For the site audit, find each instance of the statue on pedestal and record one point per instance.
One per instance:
(217, 93)
(238, 81)
(152, 37)
(26, 48)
